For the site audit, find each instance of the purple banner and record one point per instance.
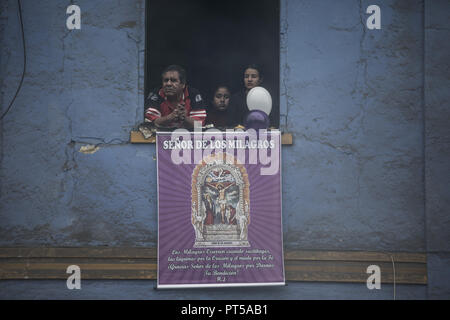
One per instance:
(219, 209)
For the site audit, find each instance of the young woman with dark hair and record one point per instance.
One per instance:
(253, 77)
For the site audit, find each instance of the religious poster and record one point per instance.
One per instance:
(219, 209)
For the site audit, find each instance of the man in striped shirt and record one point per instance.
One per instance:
(175, 104)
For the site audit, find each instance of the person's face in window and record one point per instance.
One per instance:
(221, 99)
(251, 78)
(171, 84)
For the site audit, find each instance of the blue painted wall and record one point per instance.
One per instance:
(368, 110)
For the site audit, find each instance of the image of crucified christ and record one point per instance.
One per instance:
(222, 199)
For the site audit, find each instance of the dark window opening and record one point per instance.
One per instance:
(214, 41)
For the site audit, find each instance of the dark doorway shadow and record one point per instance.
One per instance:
(214, 41)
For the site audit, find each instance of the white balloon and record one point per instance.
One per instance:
(259, 98)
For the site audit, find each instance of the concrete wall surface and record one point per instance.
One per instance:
(368, 109)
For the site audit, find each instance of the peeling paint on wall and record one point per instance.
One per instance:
(89, 149)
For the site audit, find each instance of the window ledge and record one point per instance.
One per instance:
(138, 137)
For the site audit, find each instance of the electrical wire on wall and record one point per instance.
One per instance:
(24, 62)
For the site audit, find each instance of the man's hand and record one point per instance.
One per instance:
(167, 120)
(187, 121)
(177, 115)
(180, 112)
(172, 117)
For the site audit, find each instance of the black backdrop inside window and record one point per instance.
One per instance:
(214, 41)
